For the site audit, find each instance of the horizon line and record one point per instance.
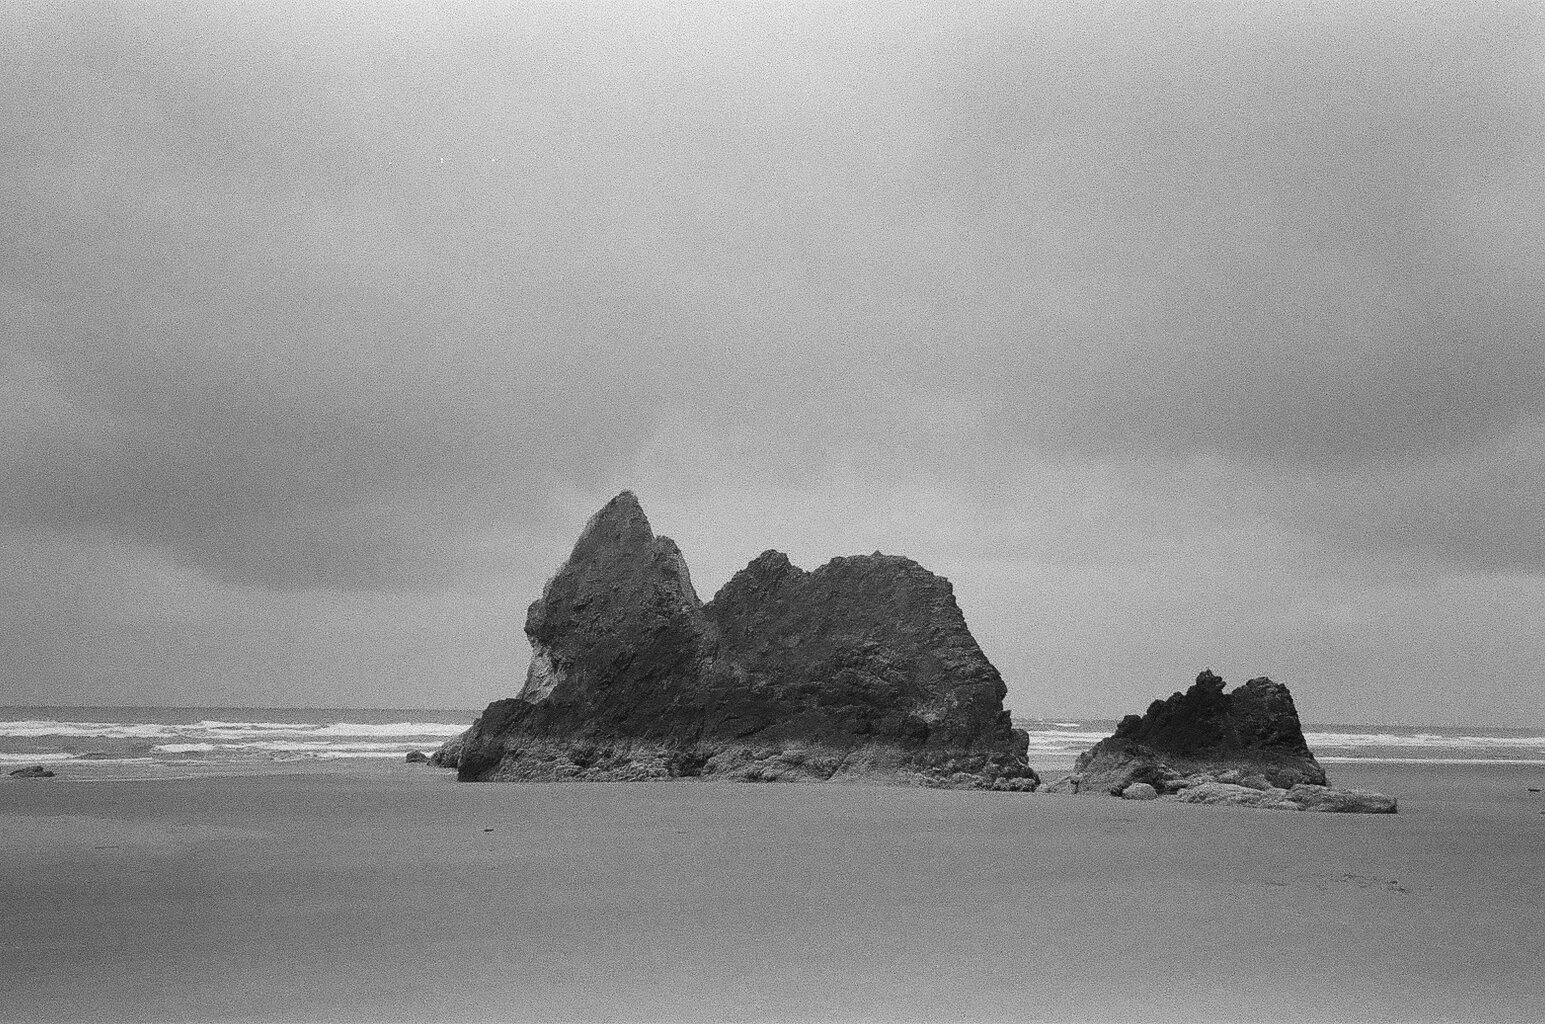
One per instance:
(1079, 718)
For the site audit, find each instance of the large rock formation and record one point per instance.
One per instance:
(861, 669)
(1244, 748)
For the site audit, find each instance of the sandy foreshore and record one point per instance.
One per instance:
(397, 894)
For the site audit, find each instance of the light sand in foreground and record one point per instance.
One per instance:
(386, 897)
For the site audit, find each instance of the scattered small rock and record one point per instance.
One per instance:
(487, 830)
(1139, 791)
(1235, 795)
(1369, 882)
(417, 757)
(1534, 789)
(36, 771)
(94, 755)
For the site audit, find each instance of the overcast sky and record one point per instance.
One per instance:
(1175, 335)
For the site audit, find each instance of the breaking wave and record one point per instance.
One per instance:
(218, 730)
(1055, 743)
(186, 737)
(1461, 741)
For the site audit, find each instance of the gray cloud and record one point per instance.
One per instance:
(1294, 239)
(302, 302)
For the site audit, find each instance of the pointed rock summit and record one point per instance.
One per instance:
(623, 593)
(861, 669)
(1258, 719)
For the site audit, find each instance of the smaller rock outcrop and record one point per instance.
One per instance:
(1254, 731)
(417, 757)
(36, 771)
(1206, 746)
(1341, 801)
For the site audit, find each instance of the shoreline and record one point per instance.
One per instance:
(1453, 782)
(404, 895)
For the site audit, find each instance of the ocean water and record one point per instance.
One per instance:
(100, 743)
(1055, 744)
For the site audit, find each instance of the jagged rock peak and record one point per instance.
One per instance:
(620, 583)
(765, 573)
(772, 570)
(1259, 715)
(619, 523)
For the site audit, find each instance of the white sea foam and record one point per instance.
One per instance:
(91, 730)
(246, 730)
(391, 729)
(1058, 740)
(216, 744)
(1053, 735)
(55, 757)
(1045, 723)
(211, 742)
(217, 730)
(285, 746)
(239, 730)
(215, 724)
(282, 745)
(1423, 739)
(301, 756)
(1333, 759)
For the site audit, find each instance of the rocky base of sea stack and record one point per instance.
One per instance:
(543, 760)
(860, 670)
(1113, 764)
(1204, 789)
(1116, 767)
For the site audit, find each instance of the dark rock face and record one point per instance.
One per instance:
(1254, 730)
(872, 645)
(620, 610)
(36, 771)
(1204, 746)
(1257, 717)
(863, 668)
(449, 753)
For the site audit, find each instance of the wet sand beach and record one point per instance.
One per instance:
(397, 894)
